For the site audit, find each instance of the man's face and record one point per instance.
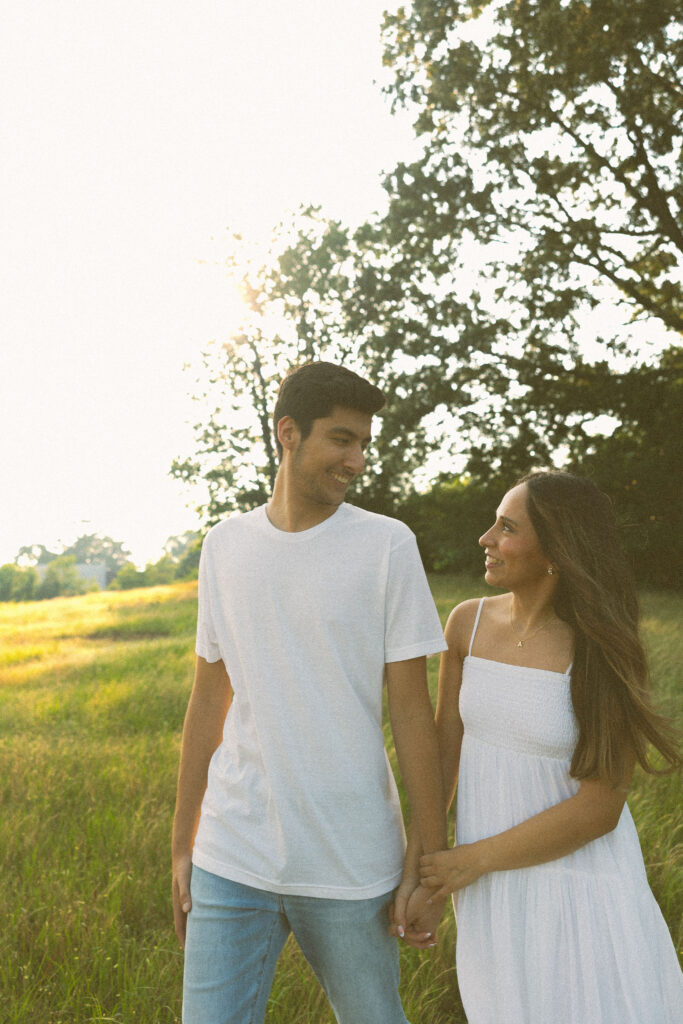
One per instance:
(324, 464)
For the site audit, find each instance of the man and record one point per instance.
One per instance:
(287, 816)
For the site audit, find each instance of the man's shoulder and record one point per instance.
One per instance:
(233, 525)
(377, 524)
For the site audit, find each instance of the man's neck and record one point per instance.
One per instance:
(292, 515)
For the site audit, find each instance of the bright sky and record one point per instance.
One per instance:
(134, 135)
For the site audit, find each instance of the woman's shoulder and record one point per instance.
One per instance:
(464, 617)
(465, 614)
(460, 624)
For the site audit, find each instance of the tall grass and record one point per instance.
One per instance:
(93, 692)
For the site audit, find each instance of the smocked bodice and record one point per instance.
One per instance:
(528, 710)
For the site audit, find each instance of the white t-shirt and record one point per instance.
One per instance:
(300, 796)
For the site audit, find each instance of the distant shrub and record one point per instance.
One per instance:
(17, 583)
(188, 566)
(128, 578)
(448, 521)
(62, 579)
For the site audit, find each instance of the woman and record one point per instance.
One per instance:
(543, 705)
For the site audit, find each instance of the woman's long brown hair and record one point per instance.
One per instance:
(596, 595)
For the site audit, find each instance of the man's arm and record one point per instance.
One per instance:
(412, 725)
(202, 733)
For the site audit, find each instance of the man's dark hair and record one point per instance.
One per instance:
(311, 391)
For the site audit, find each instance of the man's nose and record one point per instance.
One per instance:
(355, 459)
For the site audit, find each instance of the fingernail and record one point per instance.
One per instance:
(428, 935)
(429, 902)
(430, 945)
(186, 907)
(400, 931)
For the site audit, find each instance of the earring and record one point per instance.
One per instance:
(551, 571)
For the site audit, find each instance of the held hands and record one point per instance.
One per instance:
(414, 916)
(449, 870)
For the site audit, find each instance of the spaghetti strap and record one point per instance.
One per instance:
(476, 623)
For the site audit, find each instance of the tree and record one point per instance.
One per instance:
(640, 466)
(559, 134)
(327, 293)
(449, 519)
(89, 549)
(62, 579)
(549, 190)
(35, 554)
(184, 552)
(176, 547)
(18, 584)
(291, 314)
(552, 137)
(92, 548)
(128, 578)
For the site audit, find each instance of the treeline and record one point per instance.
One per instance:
(45, 574)
(449, 519)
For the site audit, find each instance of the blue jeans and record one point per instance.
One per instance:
(235, 935)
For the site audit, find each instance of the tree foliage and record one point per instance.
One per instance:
(548, 192)
(62, 579)
(640, 465)
(554, 137)
(291, 315)
(18, 583)
(89, 549)
(324, 292)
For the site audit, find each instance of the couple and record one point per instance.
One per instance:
(287, 815)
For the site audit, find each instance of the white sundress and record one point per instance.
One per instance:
(580, 939)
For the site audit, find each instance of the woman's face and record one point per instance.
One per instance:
(513, 554)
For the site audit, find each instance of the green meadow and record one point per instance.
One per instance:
(93, 692)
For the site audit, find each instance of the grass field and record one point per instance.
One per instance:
(93, 692)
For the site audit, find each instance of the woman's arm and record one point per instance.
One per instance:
(592, 812)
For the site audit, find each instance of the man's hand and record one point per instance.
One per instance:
(182, 904)
(397, 910)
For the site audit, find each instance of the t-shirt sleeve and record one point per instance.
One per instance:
(207, 644)
(412, 626)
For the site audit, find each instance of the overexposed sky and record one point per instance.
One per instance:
(133, 136)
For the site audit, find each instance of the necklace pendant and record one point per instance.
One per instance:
(520, 643)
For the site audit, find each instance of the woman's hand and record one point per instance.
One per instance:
(449, 870)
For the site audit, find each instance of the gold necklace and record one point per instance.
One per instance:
(523, 640)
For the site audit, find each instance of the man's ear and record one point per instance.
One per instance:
(288, 433)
